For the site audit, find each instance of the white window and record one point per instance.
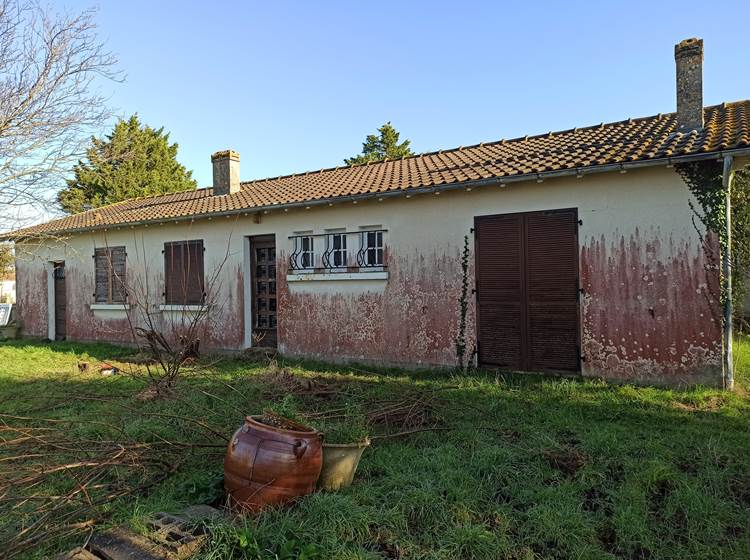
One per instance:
(307, 254)
(371, 250)
(336, 255)
(303, 257)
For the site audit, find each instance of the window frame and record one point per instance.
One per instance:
(300, 253)
(336, 259)
(367, 250)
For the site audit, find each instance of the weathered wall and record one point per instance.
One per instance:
(145, 280)
(650, 310)
(31, 296)
(641, 267)
(410, 319)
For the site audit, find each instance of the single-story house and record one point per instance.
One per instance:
(582, 254)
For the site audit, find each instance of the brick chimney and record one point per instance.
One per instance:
(688, 56)
(226, 164)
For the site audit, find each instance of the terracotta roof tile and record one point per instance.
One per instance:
(727, 126)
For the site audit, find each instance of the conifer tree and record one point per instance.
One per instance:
(133, 160)
(378, 147)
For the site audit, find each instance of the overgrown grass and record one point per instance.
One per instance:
(531, 467)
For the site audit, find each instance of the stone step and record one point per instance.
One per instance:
(171, 537)
(123, 544)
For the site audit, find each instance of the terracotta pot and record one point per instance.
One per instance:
(340, 462)
(269, 465)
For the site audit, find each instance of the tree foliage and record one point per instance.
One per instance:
(6, 259)
(133, 160)
(384, 145)
(741, 237)
(48, 103)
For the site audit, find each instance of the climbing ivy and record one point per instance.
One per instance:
(704, 179)
(463, 304)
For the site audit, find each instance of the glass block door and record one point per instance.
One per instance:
(263, 274)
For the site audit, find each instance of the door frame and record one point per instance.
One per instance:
(52, 299)
(524, 312)
(248, 285)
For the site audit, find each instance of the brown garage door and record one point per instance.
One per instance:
(527, 290)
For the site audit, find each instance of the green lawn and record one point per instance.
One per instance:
(524, 467)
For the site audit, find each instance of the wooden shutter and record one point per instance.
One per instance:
(183, 273)
(118, 278)
(500, 288)
(109, 272)
(102, 276)
(552, 290)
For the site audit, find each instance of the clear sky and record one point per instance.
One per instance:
(296, 86)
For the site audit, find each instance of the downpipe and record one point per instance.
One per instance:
(727, 358)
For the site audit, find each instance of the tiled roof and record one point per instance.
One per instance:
(727, 127)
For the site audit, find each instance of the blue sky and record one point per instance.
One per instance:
(296, 86)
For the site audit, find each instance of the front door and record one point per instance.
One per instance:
(60, 305)
(527, 290)
(263, 274)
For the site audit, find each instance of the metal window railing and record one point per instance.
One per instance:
(335, 256)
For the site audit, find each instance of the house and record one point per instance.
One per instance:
(7, 290)
(583, 256)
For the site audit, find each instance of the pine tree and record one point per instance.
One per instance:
(133, 160)
(378, 147)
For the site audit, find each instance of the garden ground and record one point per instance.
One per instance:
(521, 467)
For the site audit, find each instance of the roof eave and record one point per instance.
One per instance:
(543, 175)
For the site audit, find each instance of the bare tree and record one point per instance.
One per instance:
(49, 104)
(169, 339)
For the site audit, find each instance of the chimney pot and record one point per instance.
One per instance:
(226, 167)
(688, 56)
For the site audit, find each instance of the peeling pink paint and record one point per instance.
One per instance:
(31, 298)
(412, 320)
(82, 322)
(649, 311)
(225, 327)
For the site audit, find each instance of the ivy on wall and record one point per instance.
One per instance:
(463, 307)
(704, 179)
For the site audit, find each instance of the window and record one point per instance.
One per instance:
(183, 273)
(335, 255)
(303, 257)
(308, 252)
(109, 275)
(371, 249)
(333, 252)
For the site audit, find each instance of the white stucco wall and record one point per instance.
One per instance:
(636, 229)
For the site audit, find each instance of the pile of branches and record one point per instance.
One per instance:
(412, 412)
(59, 477)
(282, 380)
(53, 485)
